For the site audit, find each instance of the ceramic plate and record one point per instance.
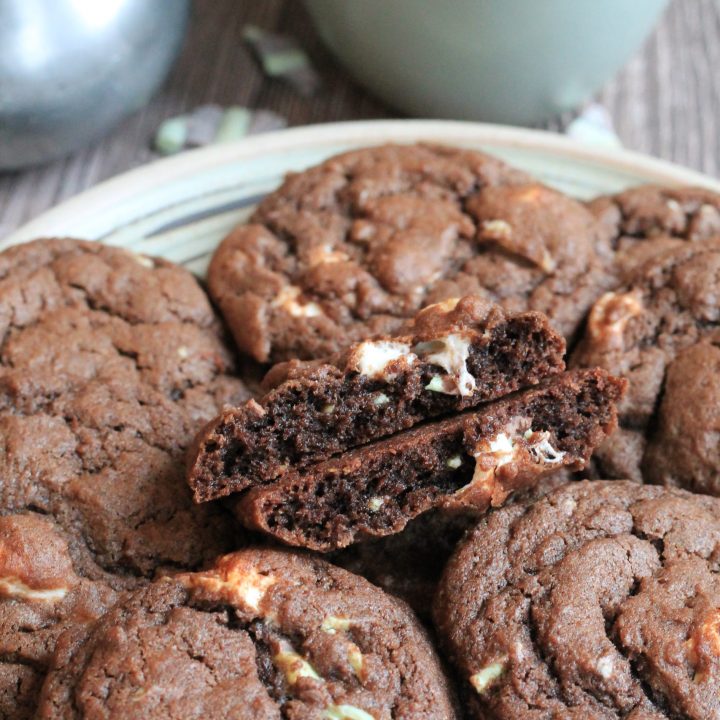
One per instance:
(180, 208)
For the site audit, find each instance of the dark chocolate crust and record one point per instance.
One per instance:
(354, 399)
(356, 245)
(460, 463)
(260, 634)
(598, 601)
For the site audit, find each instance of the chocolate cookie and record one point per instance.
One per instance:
(468, 462)
(109, 364)
(44, 589)
(667, 307)
(683, 449)
(353, 247)
(599, 601)
(261, 634)
(453, 356)
(650, 211)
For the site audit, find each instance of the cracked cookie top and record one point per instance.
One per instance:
(109, 363)
(600, 601)
(261, 634)
(354, 246)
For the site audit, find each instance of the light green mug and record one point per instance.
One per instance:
(505, 61)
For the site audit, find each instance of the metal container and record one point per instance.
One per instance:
(71, 69)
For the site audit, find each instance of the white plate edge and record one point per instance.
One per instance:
(357, 133)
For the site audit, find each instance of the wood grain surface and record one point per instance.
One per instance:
(665, 102)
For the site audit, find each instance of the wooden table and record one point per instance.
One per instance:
(665, 102)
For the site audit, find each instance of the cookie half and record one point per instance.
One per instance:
(109, 364)
(661, 331)
(261, 634)
(454, 356)
(599, 601)
(469, 462)
(355, 246)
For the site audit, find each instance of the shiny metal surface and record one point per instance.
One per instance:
(71, 69)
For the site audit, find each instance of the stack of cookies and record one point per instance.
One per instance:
(445, 498)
